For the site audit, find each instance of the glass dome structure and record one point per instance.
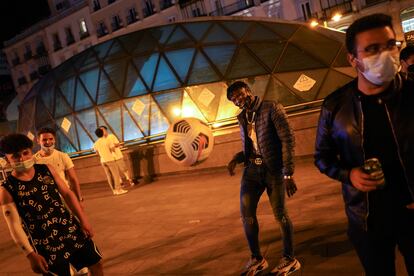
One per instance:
(137, 84)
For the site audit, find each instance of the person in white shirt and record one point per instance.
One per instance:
(46, 138)
(119, 158)
(106, 151)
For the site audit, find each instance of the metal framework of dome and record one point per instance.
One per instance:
(137, 84)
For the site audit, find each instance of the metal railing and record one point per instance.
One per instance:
(57, 46)
(233, 8)
(28, 55)
(41, 50)
(44, 69)
(370, 3)
(165, 4)
(116, 26)
(83, 35)
(147, 11)
(70, 39)
(342, 8)
(131, 18)
(101, 31)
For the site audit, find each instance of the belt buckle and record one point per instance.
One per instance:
(258, 161)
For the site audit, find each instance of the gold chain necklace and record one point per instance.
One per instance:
(247, 117)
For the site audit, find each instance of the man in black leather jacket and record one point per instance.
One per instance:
(373, 117)
(268, 151)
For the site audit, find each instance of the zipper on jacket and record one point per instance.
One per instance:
(363, 155)
(398, 150)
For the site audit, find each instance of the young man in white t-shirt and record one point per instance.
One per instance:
(105, 149)
(46, 138)
(119, 158)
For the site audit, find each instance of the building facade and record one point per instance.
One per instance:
(75, 25)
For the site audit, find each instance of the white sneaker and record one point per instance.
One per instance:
(286, 266)
(120, 191)
(254, 266)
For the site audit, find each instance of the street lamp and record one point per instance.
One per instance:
(337, 16)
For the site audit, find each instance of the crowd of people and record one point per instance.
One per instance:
(42, 201)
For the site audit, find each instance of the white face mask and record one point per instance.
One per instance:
(381, 68)
(49, 149)
(23, 166)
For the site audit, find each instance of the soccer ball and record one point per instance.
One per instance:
(188, 141)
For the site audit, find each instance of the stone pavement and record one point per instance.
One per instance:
(189, 225)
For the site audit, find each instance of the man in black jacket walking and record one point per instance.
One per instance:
(268, 151)
(373, 117)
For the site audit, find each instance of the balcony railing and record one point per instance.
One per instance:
(147, 12)
(101, 31)
(342, 8)
(131, 18)
(370, 3)
(41, 50)
(116, 26)
(21, 80)
(28, 55)
(96, 6)
(43, 69)
(165, 4)
(57, 46)
(233, 8)
(34, 75)
(70, 39)
(83, 35)
(16, 61)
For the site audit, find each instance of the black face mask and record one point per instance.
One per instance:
(410, 68)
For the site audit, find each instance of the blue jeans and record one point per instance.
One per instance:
(255, 180)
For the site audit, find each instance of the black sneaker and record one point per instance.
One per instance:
(254, 266)
(286, 266)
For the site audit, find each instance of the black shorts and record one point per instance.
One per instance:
(86, 256)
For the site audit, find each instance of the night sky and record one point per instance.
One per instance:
(17, 15)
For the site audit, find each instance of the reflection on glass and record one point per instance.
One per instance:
(190, 109)
(159, 123)
(112, 114)
(143, 118)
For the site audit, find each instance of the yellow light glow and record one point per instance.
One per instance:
(176, 111)
(187, 112)
(314, 23)
(336, 17)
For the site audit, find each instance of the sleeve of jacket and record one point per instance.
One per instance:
(286, 136)
(326, 152)
(239, 157)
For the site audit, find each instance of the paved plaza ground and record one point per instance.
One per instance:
(190, 225)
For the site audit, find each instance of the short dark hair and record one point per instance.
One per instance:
(99, 132)
(407, 52)
(46, 130)
(363, 24)
(103, 127)
(235, 86)
(14, 143)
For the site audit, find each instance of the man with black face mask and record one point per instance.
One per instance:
(268, 151)
(364, 124)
